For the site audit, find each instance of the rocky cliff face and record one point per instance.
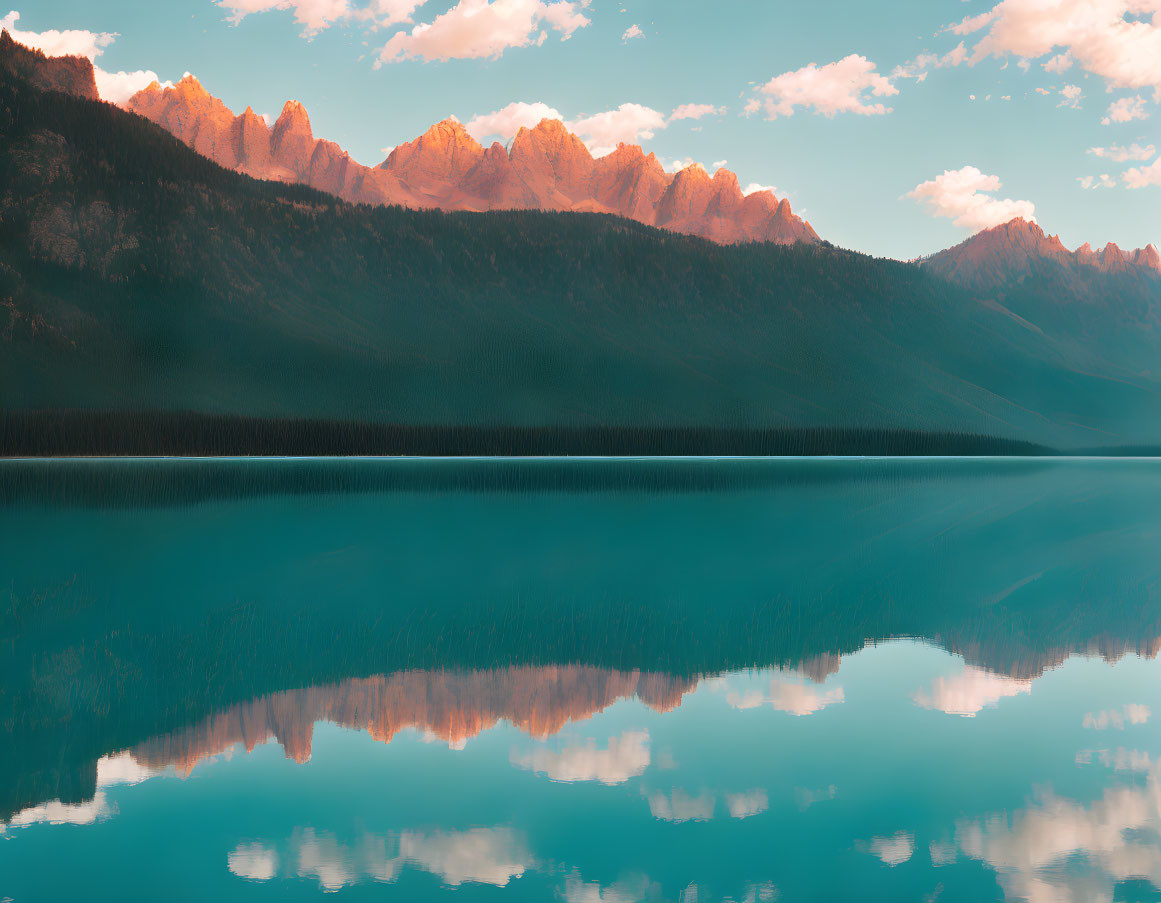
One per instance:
(546, 168)
(69, 74)
(1007, 253)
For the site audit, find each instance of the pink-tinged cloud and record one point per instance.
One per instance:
(1142, 176)
(958, 195)
(1070, 96)
(1104, 180)
(482, 29)
(115, 87)
(1118, 40)
(313, 15)
(505, 123)
(1126, 110)
(629, 123)
(118, 87)
(844, 86)
(1062, 62)
(917, 68)
(316, 15)
(71, 42)
(633, 31)
(694, 111)
(1120, 154)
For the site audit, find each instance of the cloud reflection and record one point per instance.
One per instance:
(493, 856)
(625, 757)
(970, 691)
(744, 805)
(1133, 713)
(894, 849)
(1057, 849)
(680, 806)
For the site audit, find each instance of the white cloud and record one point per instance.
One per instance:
(1133, 713)
(917, 68)
(839, 87)
(1062, 62)
(1120, 154)
(969, 692)
(679, 806)
(479, 29)
(1141, 176)
(958, 195)
(118, 87)
(315, 15)
(506, 122)
(630, 123)
(677, 165)
(1070, 96)
(72, 42)
(254, 861)
(895, 849)
(1126, 110)
(625, 757)
(633, 31)
(1118, 40)
(718, 164)
(757, 186)
(1104, 180)
(744, 805)
(695, 111)
(115, 87)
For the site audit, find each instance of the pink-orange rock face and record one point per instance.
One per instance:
(1009, 251)
(547, 168)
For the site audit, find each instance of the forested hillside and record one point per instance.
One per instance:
(138, 276)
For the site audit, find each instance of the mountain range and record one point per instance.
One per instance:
(546, 168)
(138, 275)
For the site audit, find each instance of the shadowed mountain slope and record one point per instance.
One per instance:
(137, 275)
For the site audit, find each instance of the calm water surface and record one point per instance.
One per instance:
(596, 682)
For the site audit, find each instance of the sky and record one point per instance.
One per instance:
(896, 128)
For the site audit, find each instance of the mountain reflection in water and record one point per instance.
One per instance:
(908, 678)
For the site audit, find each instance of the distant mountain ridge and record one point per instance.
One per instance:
(1009, 252)
(546, 168)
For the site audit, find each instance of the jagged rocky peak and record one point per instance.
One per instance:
(1010, 250)
(547, 167)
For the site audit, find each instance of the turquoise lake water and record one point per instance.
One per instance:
(589, 681)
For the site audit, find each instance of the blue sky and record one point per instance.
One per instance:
(849, 140)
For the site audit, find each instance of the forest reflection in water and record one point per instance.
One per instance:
(904, 678)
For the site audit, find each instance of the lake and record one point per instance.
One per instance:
(593, 681)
